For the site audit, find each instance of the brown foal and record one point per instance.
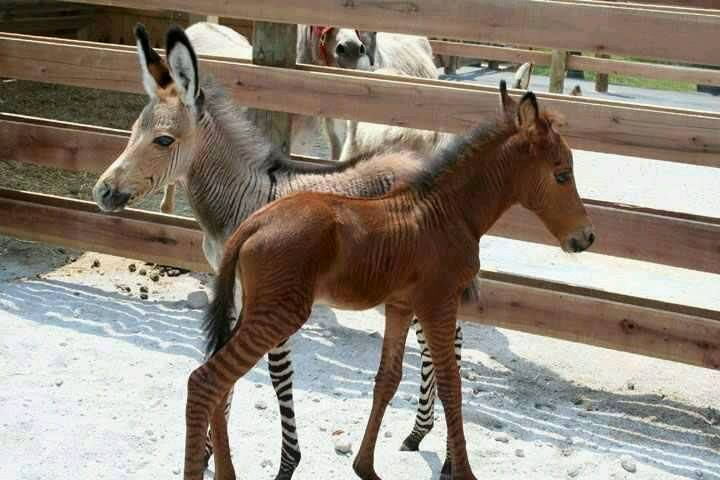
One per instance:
(414, 250)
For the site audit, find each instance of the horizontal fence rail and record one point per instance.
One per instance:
(678, 240)
(617, 29)
(665, 134)
(577, 62)
(621, 322)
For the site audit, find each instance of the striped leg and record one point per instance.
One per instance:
(281, 373)
(259, 331)
(425, 418)
(440, 328)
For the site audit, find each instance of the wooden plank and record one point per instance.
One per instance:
(668, 238)
(621, 30)
(601, 64)
(631, 324)
(648, 70)
(274, 44)
(78, 224)
(613, 127)
(505, 54)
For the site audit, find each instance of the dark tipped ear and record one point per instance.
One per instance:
(507, 104)
(528, 111)
(154, 70)
(183, 66)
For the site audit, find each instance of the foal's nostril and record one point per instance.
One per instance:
(362, 49)
(591, 238)
(340, 49)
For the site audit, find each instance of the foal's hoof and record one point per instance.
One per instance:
(411, 444)
(366, 473)
(446, 472)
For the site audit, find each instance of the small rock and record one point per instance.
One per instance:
(176, 471)
(502, 438)
(630, 385)
(573, 471)
(375, 334)
(388, 434)
(142, 272)
(628, 464)
(197, 299)
(95, 263)
(173, 272)
(143, 289)
(267, 463)
(520, 453)
(155, 277)
(261, 405)
(132, 268)
(58, 383)
(143, 296)
(343, 445)
(699, 474)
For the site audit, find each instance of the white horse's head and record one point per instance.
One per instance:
(337, 47)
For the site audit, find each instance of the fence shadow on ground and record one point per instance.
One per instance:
(670, 435)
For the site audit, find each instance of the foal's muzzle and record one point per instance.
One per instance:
(108, 198)
(580, 240)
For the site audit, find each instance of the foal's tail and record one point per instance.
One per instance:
(218, 320)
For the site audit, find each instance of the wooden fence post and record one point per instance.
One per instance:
(558, 67)
(192, 18)
(274, 44)
(602, 80)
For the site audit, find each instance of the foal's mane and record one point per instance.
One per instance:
(479, 143)
(245, 137)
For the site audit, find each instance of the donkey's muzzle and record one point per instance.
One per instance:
(580, 240)
(108, 198)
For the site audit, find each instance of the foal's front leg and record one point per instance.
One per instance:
(397, 323)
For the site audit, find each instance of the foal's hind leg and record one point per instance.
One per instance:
(425, 417)
(439, 324)
(397, 322)
(261, 329)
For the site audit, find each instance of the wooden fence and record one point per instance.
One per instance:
(663, 330)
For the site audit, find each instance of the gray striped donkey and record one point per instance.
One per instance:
(194, 135)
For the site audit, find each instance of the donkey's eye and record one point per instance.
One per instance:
(164, 140)
(563, 177)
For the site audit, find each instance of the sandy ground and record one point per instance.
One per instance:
(93, 384)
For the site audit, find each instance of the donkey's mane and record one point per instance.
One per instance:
(244, 136)
(477, 144)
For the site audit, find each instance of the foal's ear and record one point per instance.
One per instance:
(507, 104)
(528, 111)
(183, 67)
(154, 70)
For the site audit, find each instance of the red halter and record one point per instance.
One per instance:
(321, 32)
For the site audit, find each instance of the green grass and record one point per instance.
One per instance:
(630, 81)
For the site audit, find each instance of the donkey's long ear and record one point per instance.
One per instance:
(183, 66)
(369, 39)
(507, 104)
(528, 111)
(154, 70)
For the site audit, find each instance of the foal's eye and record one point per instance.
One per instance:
(563, 177)
(164, 140)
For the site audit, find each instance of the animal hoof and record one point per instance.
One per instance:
(446, 472)
(410, 444)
